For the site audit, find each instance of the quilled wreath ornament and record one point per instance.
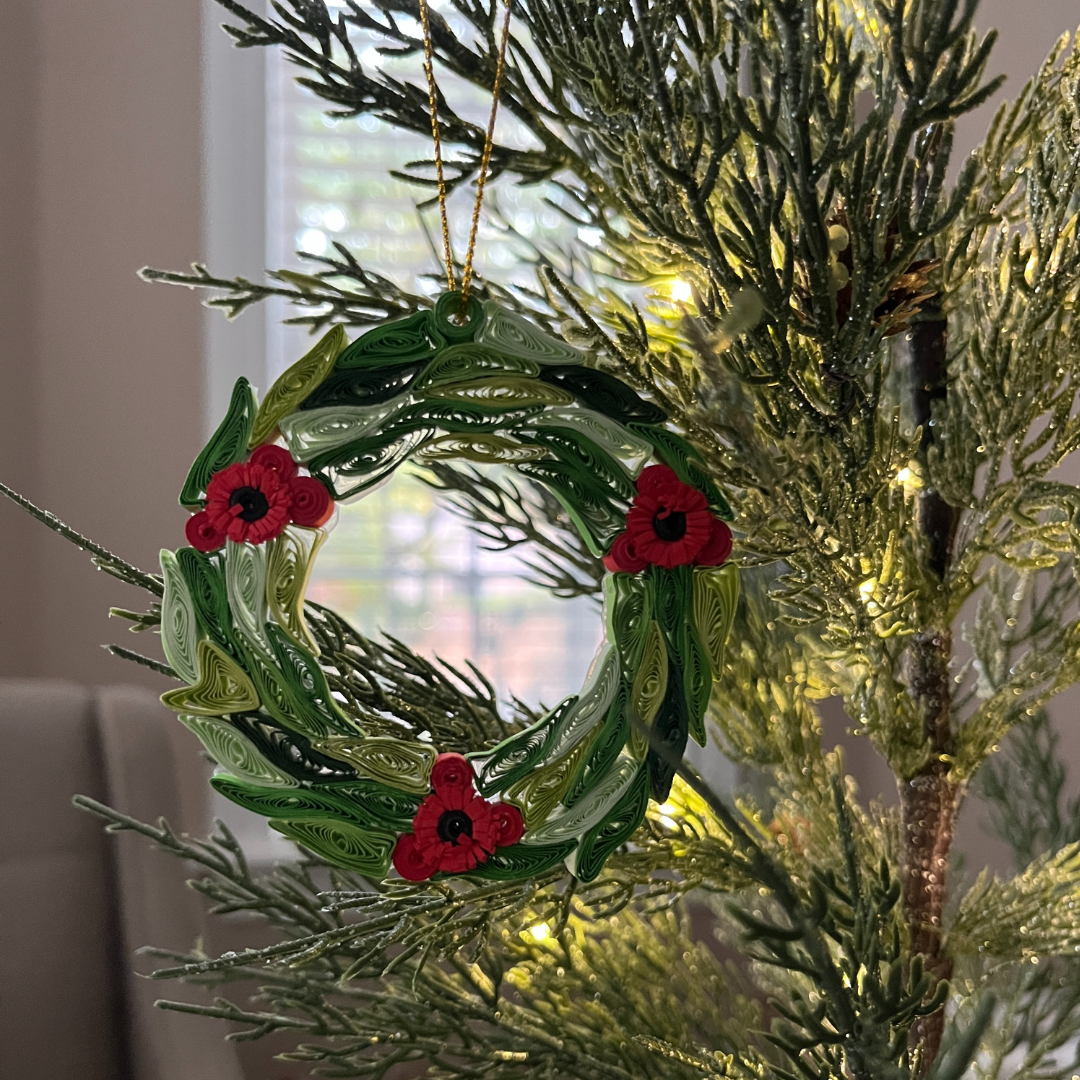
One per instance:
(494, 388)
(462, 381)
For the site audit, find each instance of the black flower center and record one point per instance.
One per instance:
(669, 525)
(453, 824)
(252, 503)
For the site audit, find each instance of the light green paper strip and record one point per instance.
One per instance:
(509, 333)
(507, 391)
(483, 448)
(342, 843)
(296, 384)
(245, 582)
(394, 762)
(621, 444)
(314, 431)
(650, 679)
(538, 793)
(592, 706)
(179, 628)
(234, 752)
(348, 485)
(591, 810)
(716, 595)
(223, 687)
(459, 362)
(289, 565)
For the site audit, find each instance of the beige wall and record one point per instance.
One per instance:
(1027, 31)
(19, 555)
(100, 374)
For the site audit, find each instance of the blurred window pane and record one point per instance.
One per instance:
(396, 560)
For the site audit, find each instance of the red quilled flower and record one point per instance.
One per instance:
(254, 501)
(275, 458)
(669, 524)
(202, 534)
(248, 502)
(455, 830)
(311, 504)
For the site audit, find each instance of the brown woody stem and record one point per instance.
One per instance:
(929, 801)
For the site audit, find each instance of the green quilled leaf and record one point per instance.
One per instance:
(227, 445)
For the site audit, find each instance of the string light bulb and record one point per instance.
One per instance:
(681, 291)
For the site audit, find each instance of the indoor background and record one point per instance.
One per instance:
(131, 135)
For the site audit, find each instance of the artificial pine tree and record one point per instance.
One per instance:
(877, 359)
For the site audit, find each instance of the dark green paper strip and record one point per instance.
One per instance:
(604, 393)
(668, 735)
(614, 735)
(289, 751)
(204, 576)
(697, 682)
(363, 386)
(364, 802)
(307, 682)
(521, 861)
(612, 480)
(402, 341)
(227, 445)
(517, 755)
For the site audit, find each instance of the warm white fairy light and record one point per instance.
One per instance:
(681, 291)
(908, 478)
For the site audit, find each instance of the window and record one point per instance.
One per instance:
(398, 561)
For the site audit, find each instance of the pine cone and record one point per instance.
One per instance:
(905, 297)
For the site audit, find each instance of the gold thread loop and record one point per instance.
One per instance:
(433, 104)
(485, 157)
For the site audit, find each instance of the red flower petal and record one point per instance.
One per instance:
(413, 862)
(427, 816)
(202, 534)
(311, 502)
(451, 771)
(623, 556)
(660, 491)
(276, 459)
(656, 478)
(648, 545)
(509, 828)
(483, 825)
(229, 519)
(266, 528)
(461, 857)
(223, 484)
(427, 837)
(677, 496)
(718, 547)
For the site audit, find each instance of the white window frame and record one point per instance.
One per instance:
(234, 206)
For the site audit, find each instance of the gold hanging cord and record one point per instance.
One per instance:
(485, 157)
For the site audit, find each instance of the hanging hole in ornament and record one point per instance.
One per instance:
(457, 321)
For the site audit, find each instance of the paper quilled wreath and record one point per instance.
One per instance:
(574, 786)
